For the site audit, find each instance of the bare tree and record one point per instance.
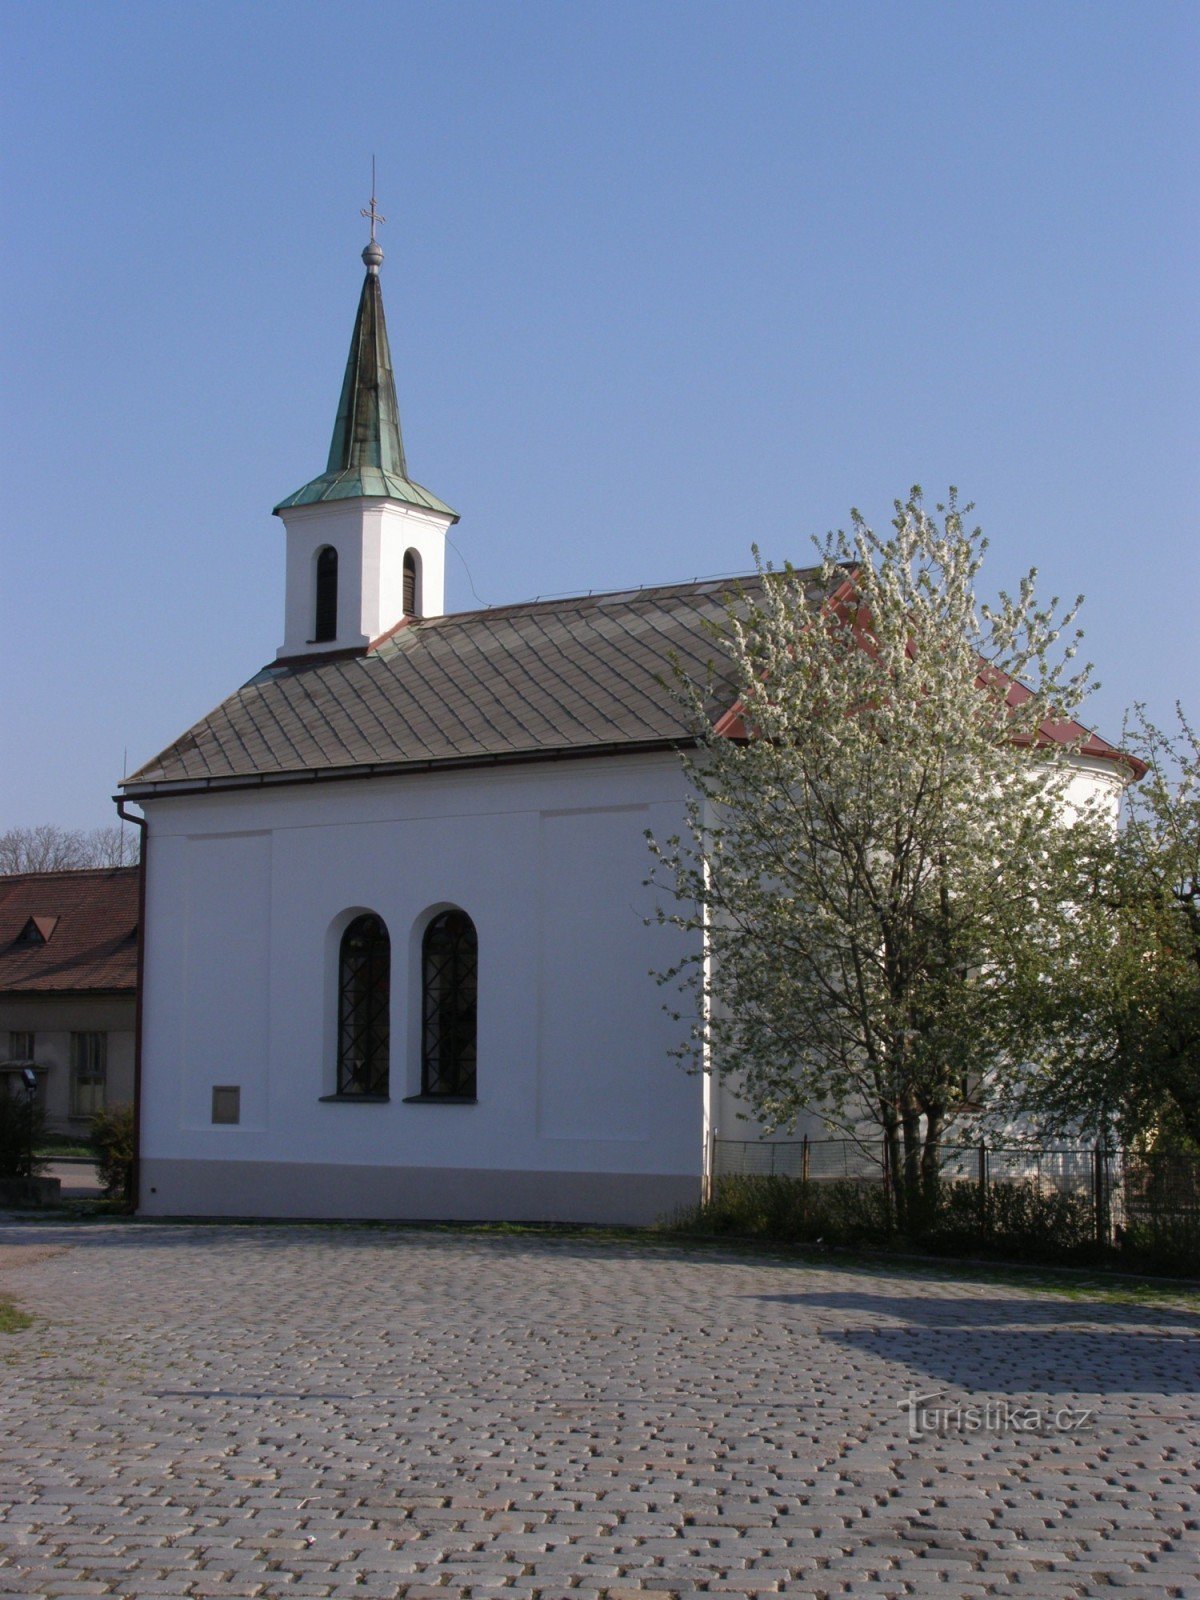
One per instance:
(114, 846)
(50, 848)
(47, 848)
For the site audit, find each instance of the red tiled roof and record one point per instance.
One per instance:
(1083, 739)
(733, 724)
(92, 944)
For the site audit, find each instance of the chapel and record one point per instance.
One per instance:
(398, 950)
(397, 960)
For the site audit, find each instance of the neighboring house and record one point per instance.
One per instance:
(68, 984)
(397, 960)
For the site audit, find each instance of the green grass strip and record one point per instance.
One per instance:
(12, 1318)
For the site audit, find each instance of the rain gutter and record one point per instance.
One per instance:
(141, 824)
(391, 769)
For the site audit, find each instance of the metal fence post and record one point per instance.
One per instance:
(1100, 1195)
(804, 1160)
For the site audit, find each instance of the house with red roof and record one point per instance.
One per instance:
(68, 988)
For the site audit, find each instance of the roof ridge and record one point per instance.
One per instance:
(66, 872)
(573, 601)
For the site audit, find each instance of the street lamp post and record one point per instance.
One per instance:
(29, 1079)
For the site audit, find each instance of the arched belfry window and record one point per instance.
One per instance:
(449, 981)
(412, 599)
(364, 989)
(325, 627)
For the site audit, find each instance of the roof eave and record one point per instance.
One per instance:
(101, 991)
(334, 486)
(173, 788)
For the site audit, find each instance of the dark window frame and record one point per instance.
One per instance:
(364, 1009)
(412, 576)
(89, 1072)
(22, 1044)
(325, 609)
(449, 1007)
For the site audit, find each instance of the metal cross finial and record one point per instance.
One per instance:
(372, 213)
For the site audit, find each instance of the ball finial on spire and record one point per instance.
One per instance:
(373, 254)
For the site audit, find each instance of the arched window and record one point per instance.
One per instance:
(326, 617)
(364, 984)
(411, 598)
(449, 969)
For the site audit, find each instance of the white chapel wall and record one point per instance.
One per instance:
(547, 859)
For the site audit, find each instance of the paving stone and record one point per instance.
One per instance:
(305, 1413)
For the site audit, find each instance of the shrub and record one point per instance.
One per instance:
(1169, 1246)
(1013, 1219)
(775, 1207)
(22, 1123)
(113, 1137)
(1162, 1210)
(1016, 1220)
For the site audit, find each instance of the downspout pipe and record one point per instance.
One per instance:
(141, 824)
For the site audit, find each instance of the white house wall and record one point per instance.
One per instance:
(1096, 786)
(52, 1019)
(581, 1113)
(1093, 787)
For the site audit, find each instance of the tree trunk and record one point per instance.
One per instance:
(931, 1161)
(895, 1163)
(911, 1122)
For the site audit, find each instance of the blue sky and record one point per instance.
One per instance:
(662, 279)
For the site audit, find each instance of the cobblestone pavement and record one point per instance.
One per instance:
(361, 1412)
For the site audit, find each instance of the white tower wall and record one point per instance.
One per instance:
(371, 538)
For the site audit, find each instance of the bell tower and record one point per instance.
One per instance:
(366, 546)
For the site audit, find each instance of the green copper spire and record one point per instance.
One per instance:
(367, 430)
(366, 454)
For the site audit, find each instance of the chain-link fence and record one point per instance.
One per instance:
(1160, 1203)
(1069, 1170)
(796, 1158)
(1150, 1200)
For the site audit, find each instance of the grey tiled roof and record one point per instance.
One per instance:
(547, 678)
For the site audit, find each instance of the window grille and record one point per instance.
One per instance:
(364, 997)
(450, 964)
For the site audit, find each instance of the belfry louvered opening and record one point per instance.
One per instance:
(325, 621)
(411, 599)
